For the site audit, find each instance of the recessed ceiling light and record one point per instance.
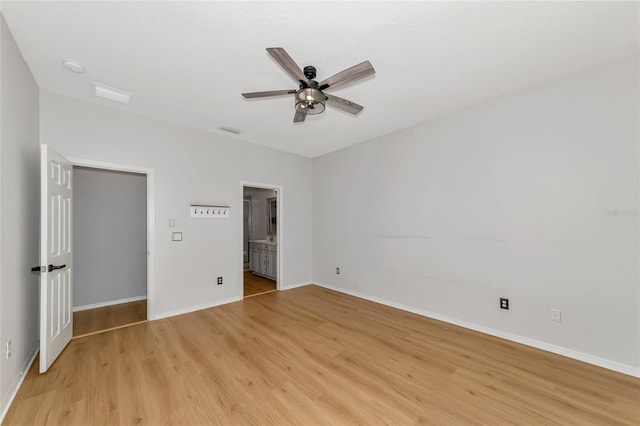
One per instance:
(230, 130)
(110, 93)
(73, 66)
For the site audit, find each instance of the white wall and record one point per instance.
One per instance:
(190, 167)
(19, 216)
(515, 198)
(109, 236)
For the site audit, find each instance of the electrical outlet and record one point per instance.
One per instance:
(219, 280)
(338, 271)
(504, 303)
(555, 315)
(8, 350)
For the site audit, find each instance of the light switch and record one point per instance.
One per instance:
(172, 223)
(176, 236)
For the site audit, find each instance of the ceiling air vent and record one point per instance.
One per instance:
(110, 93)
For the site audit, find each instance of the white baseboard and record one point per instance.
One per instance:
(109, 303)
(600, 362)
(295, 285)
(17, 382)
(197, 307)
(217, 303)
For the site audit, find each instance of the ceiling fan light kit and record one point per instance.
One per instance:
(310, 98)
(310, 101)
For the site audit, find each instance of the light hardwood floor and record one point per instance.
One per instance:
(108, 317)
(254, 284)
(311, 356)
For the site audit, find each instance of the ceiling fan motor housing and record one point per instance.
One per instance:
(310, 72)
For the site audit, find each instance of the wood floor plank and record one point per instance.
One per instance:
(255, 284)
(315, 356)
(108, 317)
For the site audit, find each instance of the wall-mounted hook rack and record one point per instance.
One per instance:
(209, 212)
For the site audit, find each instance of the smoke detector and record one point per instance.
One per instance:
(73, 66)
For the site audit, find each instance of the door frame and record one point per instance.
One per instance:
(250, 220)
(279, 251)
(150, 218)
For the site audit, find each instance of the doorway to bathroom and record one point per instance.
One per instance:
(260, 240)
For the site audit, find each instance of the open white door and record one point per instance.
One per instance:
(56, 290)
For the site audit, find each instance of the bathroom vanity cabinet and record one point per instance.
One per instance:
(263, 259)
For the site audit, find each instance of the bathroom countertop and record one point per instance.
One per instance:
(273, 243)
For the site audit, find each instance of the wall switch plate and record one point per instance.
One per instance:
(176, 236)
(172, 223)
(555, 315)
(8, 350)
(219, 280)
(504, 303)
(338, 271)
(209, 212)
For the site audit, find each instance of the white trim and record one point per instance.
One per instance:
(150, 220)
(580, 356)
(108, 303)
(17, 381)
(197, 307)
(296, 285)
(280, 228)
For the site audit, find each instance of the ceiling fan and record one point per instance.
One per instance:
(310, 98)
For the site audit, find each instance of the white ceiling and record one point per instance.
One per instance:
(188, 62)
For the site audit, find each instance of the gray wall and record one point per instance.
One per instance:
(533, 197)
(109, 236)
(19, 214)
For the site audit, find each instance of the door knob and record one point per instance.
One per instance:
(51, 267)
(45, 268)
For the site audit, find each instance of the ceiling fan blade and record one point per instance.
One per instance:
(354, 73)
(299, 117)
(282, 57)
(343, 104)
(268, 93)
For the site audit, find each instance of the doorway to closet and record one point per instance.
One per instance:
(110, 249)
(260, 240)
